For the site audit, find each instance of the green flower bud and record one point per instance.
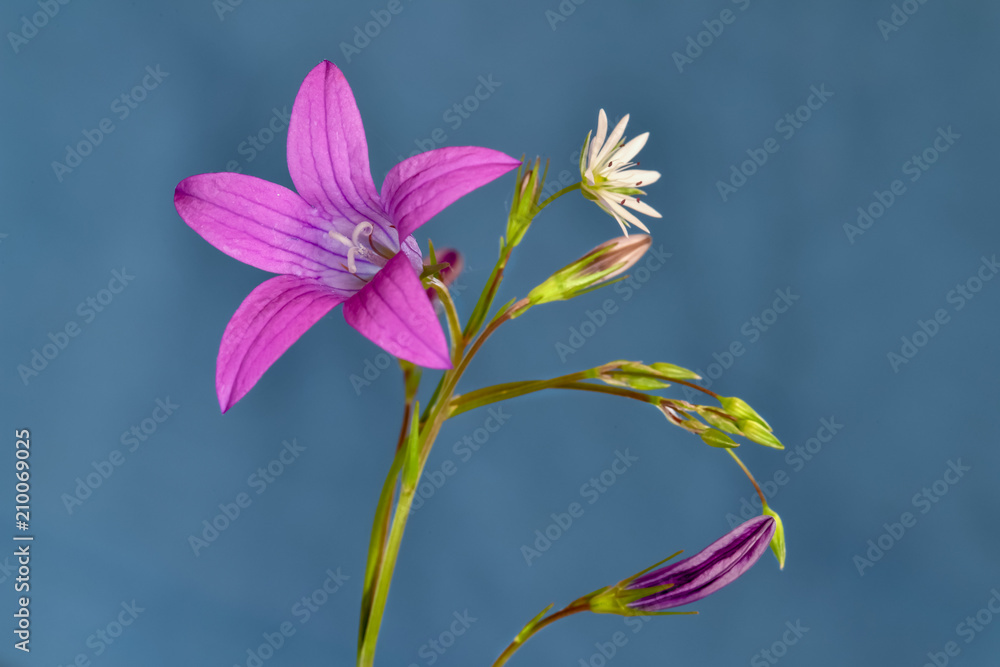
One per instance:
(598, 267)
(524, 206)
(753, 430)
(739, 408)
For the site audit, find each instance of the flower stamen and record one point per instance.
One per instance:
(353, 244)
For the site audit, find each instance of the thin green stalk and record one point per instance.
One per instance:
(429, 428)
(568, 188)
(501, 392)
(524, 636)
(376, 545)
(454, 326)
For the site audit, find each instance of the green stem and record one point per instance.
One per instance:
(501, 392)
(454, 327)
(568, 188)
(519, 641)
(750, 475)
(376, 545)
(428, 431)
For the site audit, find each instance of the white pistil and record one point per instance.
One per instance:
(353, 244)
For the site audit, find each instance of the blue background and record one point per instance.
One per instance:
(825, 358)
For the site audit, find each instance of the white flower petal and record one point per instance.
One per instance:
(642, 207)
(625, 154)
(612, 143)
(622, 213)
(635, 178)
(602, 132)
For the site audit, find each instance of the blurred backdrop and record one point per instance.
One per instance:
(829, 209)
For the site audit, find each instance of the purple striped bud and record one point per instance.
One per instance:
(690, 579)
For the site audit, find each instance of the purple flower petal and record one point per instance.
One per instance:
(257, 222)
(393, 312)
(266, 324)
(327, 150)
(714, 567)
(418, 188)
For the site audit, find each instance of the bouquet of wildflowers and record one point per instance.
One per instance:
(337, 240)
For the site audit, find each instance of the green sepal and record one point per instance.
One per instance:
(525, 633)
(714, 438)
(753, 430)
(778, 539)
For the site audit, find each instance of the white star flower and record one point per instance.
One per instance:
(608, 177)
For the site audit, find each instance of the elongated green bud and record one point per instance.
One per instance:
(524, 206)
(598, 267)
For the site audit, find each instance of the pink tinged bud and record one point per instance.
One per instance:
(715, 567)
(598, 267)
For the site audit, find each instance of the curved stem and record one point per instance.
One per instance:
(454, 327)
(749, 475)
(568, 188)
(501, 392)
(521, 638)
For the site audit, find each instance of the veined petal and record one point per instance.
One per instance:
(393, 312)
(713, 568)
(418, 188)
(258, 222)
(327, 150)
(266, 324)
